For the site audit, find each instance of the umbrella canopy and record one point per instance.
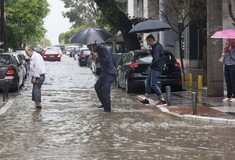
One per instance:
(90, 36)
(150, 26)
(226, 34)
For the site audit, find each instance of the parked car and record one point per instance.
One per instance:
(26, 57)
(83, 55)
(39, 50)
(132, 71)
(70, 49)
(22, 60)
(52, 54)
(12, 71)
(62, 47)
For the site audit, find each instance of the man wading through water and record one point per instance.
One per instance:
(156, 68)
(108, 73)
(37, 71)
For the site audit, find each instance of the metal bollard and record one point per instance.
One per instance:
(3, 94)
(199, 82)
(6, 89)
(194, 102)
(168, 95)
(190, 80)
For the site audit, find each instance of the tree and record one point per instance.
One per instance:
(231, 9)
(107, 14)
(81, 11)
(188, 12)
(117, 20)
(24, 22)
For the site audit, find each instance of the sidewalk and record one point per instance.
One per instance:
(211, 109)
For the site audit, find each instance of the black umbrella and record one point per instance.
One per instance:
(150, 26)
(90, 36)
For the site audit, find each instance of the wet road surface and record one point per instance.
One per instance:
(71, 127)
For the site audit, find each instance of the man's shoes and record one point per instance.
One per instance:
(226, 99)
(101, 106)
(144, 101)
(161, 103)
(39, 107)
(232, 100)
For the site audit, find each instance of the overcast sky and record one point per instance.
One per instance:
(55, 23)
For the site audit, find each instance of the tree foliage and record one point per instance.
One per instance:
(118, 21)
(103, 13)
(24, 22)
(80, 11)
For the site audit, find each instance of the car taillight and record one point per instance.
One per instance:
(134, 65)
(58, 55)
(10, 72)
(44, 56)
(176, 64)
(82, 56)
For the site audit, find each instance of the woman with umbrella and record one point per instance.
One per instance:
(229, 69)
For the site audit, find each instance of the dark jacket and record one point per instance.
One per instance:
(158, 57)
(106, 60)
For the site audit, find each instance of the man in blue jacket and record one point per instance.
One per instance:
(108, 73)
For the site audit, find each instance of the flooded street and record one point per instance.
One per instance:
(72, 127)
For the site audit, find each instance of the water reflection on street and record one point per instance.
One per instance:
(71, 126)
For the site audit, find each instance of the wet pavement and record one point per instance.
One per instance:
(207, 107)
(71, 127)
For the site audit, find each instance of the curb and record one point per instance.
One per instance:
(6, 106)
(188, 117)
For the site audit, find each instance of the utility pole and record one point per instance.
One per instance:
(215, 78)
(2, 22)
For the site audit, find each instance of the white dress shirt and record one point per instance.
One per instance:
(37, 66)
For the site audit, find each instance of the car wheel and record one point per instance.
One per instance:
(128, 87)
(16, 88)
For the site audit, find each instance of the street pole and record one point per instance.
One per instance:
(2, 24)
(215, 87)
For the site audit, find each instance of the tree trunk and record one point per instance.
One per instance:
(215, 78)
(117, 18)
(181, 56)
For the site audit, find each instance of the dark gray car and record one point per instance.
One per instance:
(11, 71)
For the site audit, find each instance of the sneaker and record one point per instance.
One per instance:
(232, 100)
(226, 99)
(144, 101)
(161, 103)
(101, 106)
(39, 107)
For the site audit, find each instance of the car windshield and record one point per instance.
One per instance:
(86, 52)
(139, 55)
(52, 51)
(146, 59)
(5, 59)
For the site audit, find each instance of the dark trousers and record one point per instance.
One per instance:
(103, 89)
(36, 93)
(229, 73)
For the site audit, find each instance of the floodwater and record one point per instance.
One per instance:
(71, 127)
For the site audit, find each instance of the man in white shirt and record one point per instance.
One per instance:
(37, 71)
